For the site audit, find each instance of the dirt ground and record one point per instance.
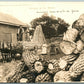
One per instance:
(7, 69)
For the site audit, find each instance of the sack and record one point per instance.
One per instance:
(67, 47)
(79, 47)
(70, 35)
(81, 22)
(82, 36)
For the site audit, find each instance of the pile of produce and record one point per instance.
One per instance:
(70, 67)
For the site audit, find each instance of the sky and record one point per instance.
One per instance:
(27, 11)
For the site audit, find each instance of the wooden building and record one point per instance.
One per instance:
(11, 28)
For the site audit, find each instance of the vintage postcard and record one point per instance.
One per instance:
(41, 42)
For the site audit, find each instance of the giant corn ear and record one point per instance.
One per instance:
(69, 58)
(43, 78)
(62, 76)
(53, 66)
(33, 61)
(78, 66)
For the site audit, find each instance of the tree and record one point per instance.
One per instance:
(51, 26)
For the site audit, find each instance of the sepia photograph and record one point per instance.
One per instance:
(41, 42)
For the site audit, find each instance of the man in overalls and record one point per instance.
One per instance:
(44, 49)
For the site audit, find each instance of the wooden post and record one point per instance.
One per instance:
(23, 37)
(14, 38)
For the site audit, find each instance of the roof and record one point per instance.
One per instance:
(10, 20)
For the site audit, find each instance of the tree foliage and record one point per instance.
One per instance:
(51, 27)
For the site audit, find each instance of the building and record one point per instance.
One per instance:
(11, 29)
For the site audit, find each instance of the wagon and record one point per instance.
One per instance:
(11, 31)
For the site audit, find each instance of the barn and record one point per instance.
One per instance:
(10, 27)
